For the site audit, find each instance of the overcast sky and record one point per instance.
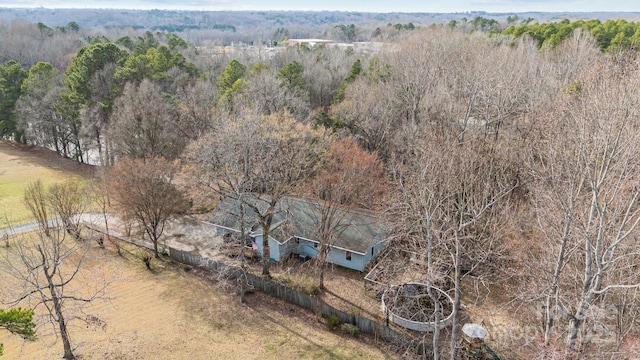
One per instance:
(343, 5)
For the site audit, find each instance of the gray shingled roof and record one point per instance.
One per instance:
(299, 217)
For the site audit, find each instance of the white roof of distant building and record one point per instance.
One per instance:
(308, 41)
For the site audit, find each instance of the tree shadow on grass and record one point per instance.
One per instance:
(45, 158)
(354, 306)
(294, 333)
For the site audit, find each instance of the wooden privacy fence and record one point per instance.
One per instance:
(303, 300)
(287, 294)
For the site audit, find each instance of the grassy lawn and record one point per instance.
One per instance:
(20, 164)
(173, 314)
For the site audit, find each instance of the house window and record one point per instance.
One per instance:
(371, 251)
(315, 244)
(348, 255)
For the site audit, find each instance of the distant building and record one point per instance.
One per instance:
(308, 42)
(293, 232)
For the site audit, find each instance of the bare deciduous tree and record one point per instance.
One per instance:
(196, 109)
(587, 190)
(142, 123)
(47, 270)
(372, 113)
(143, 191)
(35, 198)
(450, 200)
(69, 201)
(265, 157)
(100, 194)
(350, 177)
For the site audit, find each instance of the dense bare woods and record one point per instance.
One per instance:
(504, 163)
(508, 158)
(585, 195)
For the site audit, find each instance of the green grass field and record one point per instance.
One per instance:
(19, 165)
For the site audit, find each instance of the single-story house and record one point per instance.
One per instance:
(360, 238)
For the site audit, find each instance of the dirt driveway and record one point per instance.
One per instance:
(186, 233)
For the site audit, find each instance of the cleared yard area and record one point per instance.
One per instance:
(173, 314)
(20, 164)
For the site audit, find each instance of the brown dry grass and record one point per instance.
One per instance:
(173, 314)
(344, 288)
